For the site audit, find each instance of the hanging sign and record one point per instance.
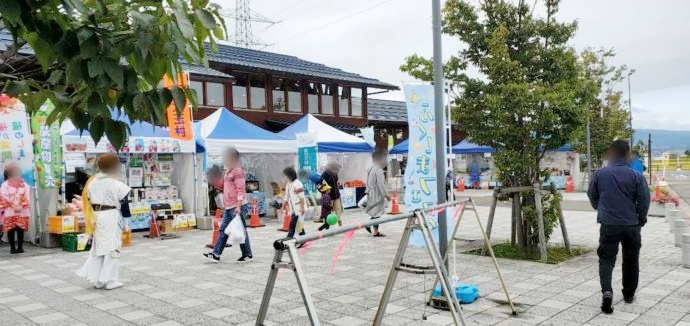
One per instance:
(48, 147)
(180, 125)
(15, 137)
(368, 135)
(307, 152)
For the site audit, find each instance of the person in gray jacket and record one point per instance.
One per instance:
(377, 194)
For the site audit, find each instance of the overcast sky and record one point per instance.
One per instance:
(372, 38)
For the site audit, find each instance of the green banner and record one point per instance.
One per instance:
(48, 148)
(307, 153)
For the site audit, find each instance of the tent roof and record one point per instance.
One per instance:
(330, 140)
(466, 147)
(224, 124)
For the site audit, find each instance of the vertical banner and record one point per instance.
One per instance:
(180, 125)
(307, 153)
(420, 171)
(48, 147)
(15, 137)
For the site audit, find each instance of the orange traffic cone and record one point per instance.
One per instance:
(395, 204)
(255, 222)
(657, 191)
(216, 227)
(286, 220)
(154, 230)
(461, 185)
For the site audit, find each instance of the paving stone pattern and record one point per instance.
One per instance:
(168, 283)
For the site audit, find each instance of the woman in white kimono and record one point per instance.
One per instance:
(103, 194)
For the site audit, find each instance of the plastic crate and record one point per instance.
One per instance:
(73, 242)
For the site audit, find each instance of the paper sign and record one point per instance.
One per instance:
(180, 125)
(15, 137)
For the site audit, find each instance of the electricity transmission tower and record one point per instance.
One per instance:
(244, 16)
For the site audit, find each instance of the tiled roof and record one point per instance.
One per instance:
(200, 70)
(273, 62)
(248, 59)
(386, 111)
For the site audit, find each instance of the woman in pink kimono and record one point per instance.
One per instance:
(14, 203)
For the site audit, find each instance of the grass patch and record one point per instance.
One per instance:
(555, 253)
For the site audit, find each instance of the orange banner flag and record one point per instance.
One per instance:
(180, 125)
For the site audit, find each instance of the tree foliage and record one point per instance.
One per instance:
(605, 107)
(526, 93)
(92, 55)
(529, 94)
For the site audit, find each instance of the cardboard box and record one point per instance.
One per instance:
(62, 224)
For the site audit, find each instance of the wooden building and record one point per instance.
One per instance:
(273, 90)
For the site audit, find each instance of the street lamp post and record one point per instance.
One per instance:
(632, 139)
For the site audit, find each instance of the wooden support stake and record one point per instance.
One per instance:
(490, 222)
(564, 230)
(540, 222)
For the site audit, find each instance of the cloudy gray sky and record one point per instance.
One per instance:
(372, 38)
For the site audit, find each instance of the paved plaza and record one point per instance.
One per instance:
(168, 283)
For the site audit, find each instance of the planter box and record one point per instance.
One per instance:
(656, 210)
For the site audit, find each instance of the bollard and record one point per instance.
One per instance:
(674, 214)
(680, 228)
(668, 207)
(686, 250)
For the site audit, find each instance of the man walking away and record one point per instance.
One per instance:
(621, 197)
(233, 185)
(377, 194)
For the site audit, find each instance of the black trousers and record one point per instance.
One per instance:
(610, 236)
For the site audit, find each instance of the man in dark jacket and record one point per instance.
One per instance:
(621, 197)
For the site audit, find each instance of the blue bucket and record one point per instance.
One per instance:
(465, 293)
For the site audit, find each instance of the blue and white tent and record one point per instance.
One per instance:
(467, 147)
(463, 147)
(223, 128)
(143, 137)
(329, 139)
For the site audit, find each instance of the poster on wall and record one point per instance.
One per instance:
(48, 149)
(307, 152)
(15, 137)
(74, 160)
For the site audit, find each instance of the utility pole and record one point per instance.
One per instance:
(632, 133)
(589, 150)
(244, 16)
(439, 123)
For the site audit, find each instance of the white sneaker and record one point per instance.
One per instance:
(98, 285)
(112, 285)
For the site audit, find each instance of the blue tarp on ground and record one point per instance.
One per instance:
(329, 139)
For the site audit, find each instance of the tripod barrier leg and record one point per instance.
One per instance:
(302, 284)
(270, 284)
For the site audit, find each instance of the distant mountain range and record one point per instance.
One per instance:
(665, 140)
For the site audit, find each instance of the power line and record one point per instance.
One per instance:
(308, 9)
(290, 6)
(334, 22)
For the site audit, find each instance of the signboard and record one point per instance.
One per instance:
(307, 152)
(180, 125)
(15, 137)
(74, 160)
(48, 148)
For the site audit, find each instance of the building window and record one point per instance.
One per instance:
(198, 88)
(294, 97)
(356, 110)
(344, 101)
(239, 92)
(215, 94)
(279, 95)
(258, 92)
(327, 93)
(313, 98)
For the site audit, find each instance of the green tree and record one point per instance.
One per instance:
(527, 95)
(95, 54)
(606, 109)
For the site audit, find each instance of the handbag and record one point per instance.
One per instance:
(362, 203)
(235, 231)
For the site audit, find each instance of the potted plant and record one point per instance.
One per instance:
(656, 208)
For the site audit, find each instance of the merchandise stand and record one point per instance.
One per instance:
(415, 221)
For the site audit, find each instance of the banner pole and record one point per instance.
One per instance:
(439, 124)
